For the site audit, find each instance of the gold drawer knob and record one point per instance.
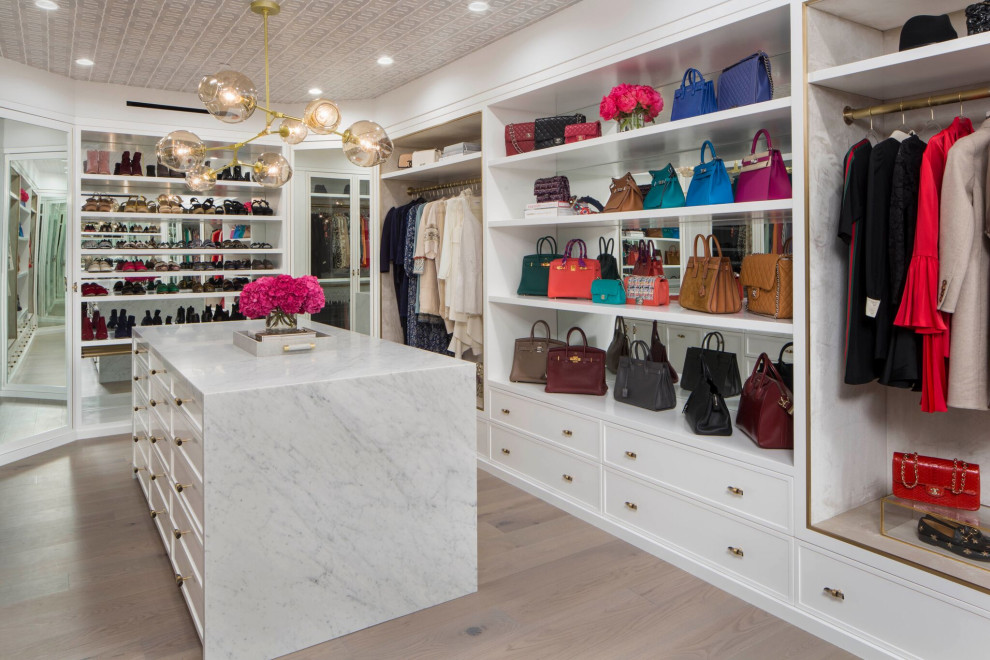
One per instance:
(157, 371)
(835, 593)
(179, 580)
(138, 438)
(567, 433)
(155, 514)
(680, 336)
(138, 469)
(138, 351)
(138, 377)
(506, 451)
(735, 491)
(181, 487)
(137, 408)
(178, 442)
(177, 533)
(736, 551)
(179, 401)
(631, 455)
(632, 506)
(568, 478)
(155, 476)
(152, 402)
(153, 439)
(505, 411)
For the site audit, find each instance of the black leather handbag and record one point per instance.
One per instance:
(549, 131)
(705, 409)
(785, 369)
(618, 347)
(658, 353)
(643, 383)
(610, 267)
(722, 365)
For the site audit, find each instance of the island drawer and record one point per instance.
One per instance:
(757, 495)
(186, 400)
(159, 512)
(158, 469)
(142, 448)
(159, 400)
(187, 440)
(188, 489)
(582, 434)
(140, 351)
(185, 532)
(190, 583)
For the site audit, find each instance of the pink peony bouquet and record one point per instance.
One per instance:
(631, 105)
(291, 295)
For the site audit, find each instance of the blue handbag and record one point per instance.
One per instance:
(608, 292)
(665, 190)
(746, 82)
(696, 96)
(710, 183)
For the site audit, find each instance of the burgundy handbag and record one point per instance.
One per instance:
(952, 483)
(648, 261)
(552, 189)
(576, 369)
(766, 407)
(520, 138)
(579, 132)
(764, 175)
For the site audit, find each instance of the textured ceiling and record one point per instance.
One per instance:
(330, 44)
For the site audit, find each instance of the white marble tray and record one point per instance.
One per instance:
(271, 346)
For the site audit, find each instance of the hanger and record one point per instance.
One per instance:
(903, 131)
(872, 134)
(961, 115)
(931, 127)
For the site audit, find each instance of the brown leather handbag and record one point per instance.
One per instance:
(576, 369)
(529, 358)
(708, 283)
(625, 196)
(768, 284)
(766, 407)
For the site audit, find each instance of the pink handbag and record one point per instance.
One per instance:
(764, 175)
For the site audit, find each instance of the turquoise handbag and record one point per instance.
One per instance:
(665, 191)
(608, 292)
(710, 183)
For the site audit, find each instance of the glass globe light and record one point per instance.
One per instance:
(321, 116)
(366, 144)
(181, 151)
(292, 131)
(201, 178)
(272, 170)
(229, 96)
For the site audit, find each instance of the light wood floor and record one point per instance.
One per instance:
(82, 574)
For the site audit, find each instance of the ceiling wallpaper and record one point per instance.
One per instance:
(330, 44)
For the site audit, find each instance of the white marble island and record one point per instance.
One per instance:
(305, 496)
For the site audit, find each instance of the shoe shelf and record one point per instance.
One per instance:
(741, 321)
(106, 342)
(181, 295)
(180, 217)
(119, 252)
(107, 181)
(158, 274)
(768, 211)
(445, 169)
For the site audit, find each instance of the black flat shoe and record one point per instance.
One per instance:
(955, 537)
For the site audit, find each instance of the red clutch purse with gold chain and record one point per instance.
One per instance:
(954, 483)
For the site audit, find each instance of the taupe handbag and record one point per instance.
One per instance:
(625, 195)
(529, 358)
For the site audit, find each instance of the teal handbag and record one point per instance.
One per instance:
(608, 292)
(536, 268)
(710, 183)
(665, 191)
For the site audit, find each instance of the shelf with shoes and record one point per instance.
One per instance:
(114, 252)
(181, 217)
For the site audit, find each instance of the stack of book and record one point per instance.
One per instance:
(548, 209)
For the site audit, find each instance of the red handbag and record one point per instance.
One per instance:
(576, 369)
(939, 481)
(520, 138)
(579, 132)
(647, 290)
(571, 277)
(766, 407)
(649, 261)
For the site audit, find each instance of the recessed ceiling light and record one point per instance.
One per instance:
(84, 61)
(47, 5)
(316, 91)
(479, 6)
(385, 60)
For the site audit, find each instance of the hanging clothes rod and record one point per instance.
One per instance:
(852, 114)
(444, 186)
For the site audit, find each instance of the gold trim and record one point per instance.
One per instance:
(852, 114)
(443, 186)
(104, 351)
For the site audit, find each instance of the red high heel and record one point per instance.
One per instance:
(101, 328)
(125, 164)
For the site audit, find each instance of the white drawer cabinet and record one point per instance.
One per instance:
(679, 339)
(577, 432)
(569, 475)
(756, 344)
(759, 556)
(755, 495)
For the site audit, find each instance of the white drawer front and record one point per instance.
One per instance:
(483, 438)
(897, 615)
(139, 348)
(185, 532)
(158, 402)
(191, 587)
(738, 489)
(187, 488)
(582, 434)
(142, 471)
(568, 475)
(756, 344)
(187, 401)
(187, 440)
(158, 439)
(159, 512)
(141, 450)
(681, 338)
(157, 468)
(734, 546)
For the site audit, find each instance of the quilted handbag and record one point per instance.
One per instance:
(529, 357)
(608, 292)
(552, 189)
(705, 410)
(746, 82)
(581, 132)
(978, 17)
(625, 196)
(665, 190)
(768, 284)
(576, 369)
(764, 175)
(658, 352)
(708, 283)
(710, 183)
(520, 138)
(648, 261)
(549, 131)
(722, 366)
(618, 347)
(570, 276)
(647, 290)
(695, 96)
(786, 369)
(766, 408)
(536, 268)
(952, 483)
(610, 267)
(642, 382)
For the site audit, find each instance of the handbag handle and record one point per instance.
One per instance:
(656, 333)
(786, 247)
(584, 337)
(582, 252)
(756, 140)
(512, 137)
(691, 77)
(704, 241)
(708, 145)
(765, 368)
(532, 331)
(711, 237)
(605, 246)
(549, 239)
(719, 341)
(636, 345)
(620, 324)
(780, 356)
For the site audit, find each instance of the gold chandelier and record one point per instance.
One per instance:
(231, 97)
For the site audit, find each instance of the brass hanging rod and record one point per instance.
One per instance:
(444, 186)
(852, 114)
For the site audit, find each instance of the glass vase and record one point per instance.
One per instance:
(278, 322)
(632, 122)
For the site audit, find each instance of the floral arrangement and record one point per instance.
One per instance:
(631, 105)
(282, 293)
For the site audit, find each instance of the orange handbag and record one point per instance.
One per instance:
(571, 277)
(708, 283)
